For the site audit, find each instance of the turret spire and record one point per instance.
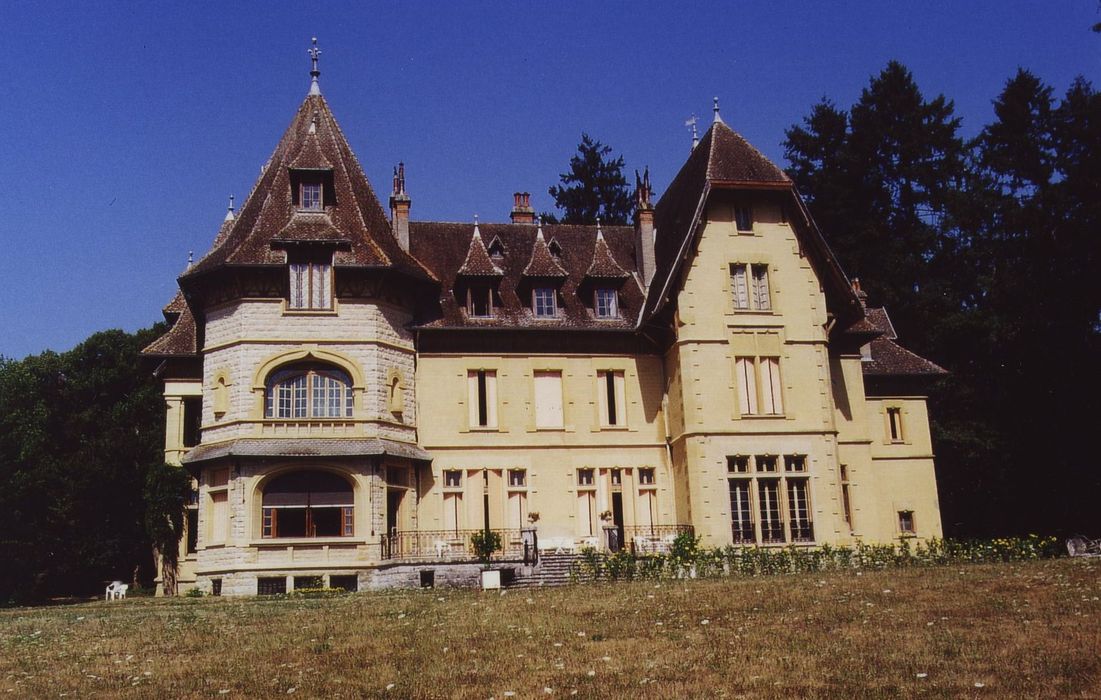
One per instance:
(715, 109)
(230, 216)
(691, 122)
(314, 52)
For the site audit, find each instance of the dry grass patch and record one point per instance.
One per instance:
(1020, 630)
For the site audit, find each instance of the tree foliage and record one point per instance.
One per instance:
(79, 432)
(594, 187)
(983, 252)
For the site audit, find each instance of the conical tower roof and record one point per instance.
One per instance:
(353, 219)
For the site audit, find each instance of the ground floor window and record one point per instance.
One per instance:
(768, 506)
(308, 504)
(349, 582)
(271, 585)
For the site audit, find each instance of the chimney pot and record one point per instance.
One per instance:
(522, 213)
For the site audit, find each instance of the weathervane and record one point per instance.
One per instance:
(691, 122)
(314, 52)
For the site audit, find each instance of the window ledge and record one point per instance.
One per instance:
(762, 416)
(484, 429)
(310, 312)
(621, 428)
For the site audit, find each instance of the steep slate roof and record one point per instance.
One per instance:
(723, 159)
(889, 359)
(312, 141)
(543, 263)
(604, 264)
(443, 248)
(477, 262)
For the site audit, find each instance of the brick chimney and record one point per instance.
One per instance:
(399, 208)
(644, 228)
(522, 213)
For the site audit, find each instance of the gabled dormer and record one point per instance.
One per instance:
(600, 288)
(541, 282)
(477, 284)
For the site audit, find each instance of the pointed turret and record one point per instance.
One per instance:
(543, 263)
(604, 265)
(478, 263)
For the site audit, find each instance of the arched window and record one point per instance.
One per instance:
(309, 391)
(308, 504)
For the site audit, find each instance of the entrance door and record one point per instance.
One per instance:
(617, 520)
(393, 509)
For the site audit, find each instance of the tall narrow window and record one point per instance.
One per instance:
(586, 502)
(646, 513)
(894, 423)
(517, 498)
(192, 420)
(548, 399)
(749, 287)
(761, 299)
(310, 195)
(772, 526)
(543, 302)
(845, 503)
(743, 218)
(799, 511)
(311, 285)
(606, 303)
(611, 398)
(452, 500)
(219, 517)
(482, 398)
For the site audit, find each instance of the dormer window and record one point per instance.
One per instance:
(544, 302)
(310, 196)
(479, 302)
(606, 303)
(496, 249)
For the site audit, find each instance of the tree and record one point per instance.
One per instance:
(594, 187)
(78, 433)
(166, 491)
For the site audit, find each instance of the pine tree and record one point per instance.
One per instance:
(594, 187)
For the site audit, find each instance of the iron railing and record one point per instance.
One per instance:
(456, 544)
(653, 539)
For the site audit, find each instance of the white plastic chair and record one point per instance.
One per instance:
(116, 590)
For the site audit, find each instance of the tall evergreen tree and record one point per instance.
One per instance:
(594, 187)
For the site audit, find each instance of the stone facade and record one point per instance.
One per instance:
(732, 384)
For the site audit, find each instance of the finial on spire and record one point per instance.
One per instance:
(539, 229)
(599, 233)
(691, 122)
(190, 258)
(230, 216)
(715, 109)
(477, 233)
(314, 52)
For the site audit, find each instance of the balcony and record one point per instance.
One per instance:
(453, 545)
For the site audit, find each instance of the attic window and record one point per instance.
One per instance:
(310, 196)
(743, 217)
(496, 249)
(479, 302)
(543, 302)
(555, 249)
(606, 303)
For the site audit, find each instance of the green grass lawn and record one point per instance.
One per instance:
(993, 631)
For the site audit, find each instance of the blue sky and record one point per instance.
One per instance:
(126, 127)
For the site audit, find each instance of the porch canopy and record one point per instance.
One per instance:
(304, 447)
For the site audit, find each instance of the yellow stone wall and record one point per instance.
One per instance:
(825, 415)
(550, 456)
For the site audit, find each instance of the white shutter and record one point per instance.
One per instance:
(452, 502)
(739, 286)
(645, 515)
(747, 387)
(770, 385)
(602, 396)
(517, 509)
(472, 398)
(548, 399)
(760, 288)
(491, 399)
(620, 399)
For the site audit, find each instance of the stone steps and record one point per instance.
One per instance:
(552, 570)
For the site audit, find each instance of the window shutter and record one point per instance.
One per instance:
(760, 288)
(548, 399)
(747, 387)
(620, 399)
(738, 286)
(770, 385)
